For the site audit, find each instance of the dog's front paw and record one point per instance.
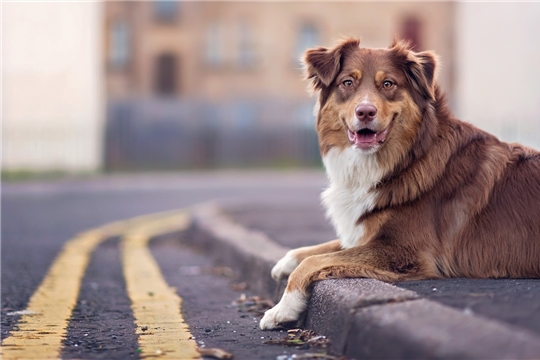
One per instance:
(285, 266)
(288, 310)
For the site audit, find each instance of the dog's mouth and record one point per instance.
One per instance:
(366, 139)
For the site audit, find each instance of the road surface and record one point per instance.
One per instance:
(93, 303)
(39, 219)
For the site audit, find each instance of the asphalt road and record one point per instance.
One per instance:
(38, 218)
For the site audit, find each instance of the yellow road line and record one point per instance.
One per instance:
(41, 329)
(161, 328)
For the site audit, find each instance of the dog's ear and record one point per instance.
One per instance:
(419, 67)
(322, 64)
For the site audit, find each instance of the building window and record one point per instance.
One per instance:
(166, 11)
(119, 45)
(246, 45)
(166, 68)
(214, 45)
(308, 37)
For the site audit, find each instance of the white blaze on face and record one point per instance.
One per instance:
(353, 123)
(365, 101)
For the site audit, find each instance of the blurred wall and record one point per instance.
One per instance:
(227, 50)
(179, 79)
(52, 86)
(219, 83)
(498, 62)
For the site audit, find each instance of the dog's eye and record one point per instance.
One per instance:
(347, 83)
(387, 84)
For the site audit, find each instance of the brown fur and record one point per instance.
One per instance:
(455, 201)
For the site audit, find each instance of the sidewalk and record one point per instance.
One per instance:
(366, 318)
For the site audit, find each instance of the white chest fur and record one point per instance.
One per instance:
(352, 176)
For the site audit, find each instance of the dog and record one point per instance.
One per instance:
(414, 193)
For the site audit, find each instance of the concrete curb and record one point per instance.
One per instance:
(250, 253)
(364, 318)
(369, 319)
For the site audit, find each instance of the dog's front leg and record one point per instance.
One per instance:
(364, 261)
(286, 265)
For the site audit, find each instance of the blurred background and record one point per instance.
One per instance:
(166, 85)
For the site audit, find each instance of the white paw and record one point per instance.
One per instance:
(285, 266)
(287, 310)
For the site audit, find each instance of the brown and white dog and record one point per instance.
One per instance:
(413, 192)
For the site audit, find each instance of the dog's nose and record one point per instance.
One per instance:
(365, 113)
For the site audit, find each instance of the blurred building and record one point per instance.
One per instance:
(52, 82)
(166, 84)
(497, 76)
(225, 50)
(222, 81)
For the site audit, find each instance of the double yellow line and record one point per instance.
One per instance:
(156, 307)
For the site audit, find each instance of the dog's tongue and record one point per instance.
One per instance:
(366, 138)
(363, 139)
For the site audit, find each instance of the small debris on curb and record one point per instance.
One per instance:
(224, 271)
(299, 337)
(239, 286)
(310, 356)
(215, 353)
(314, 356)
(253, 304)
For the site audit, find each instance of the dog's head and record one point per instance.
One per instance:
(370, 99)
